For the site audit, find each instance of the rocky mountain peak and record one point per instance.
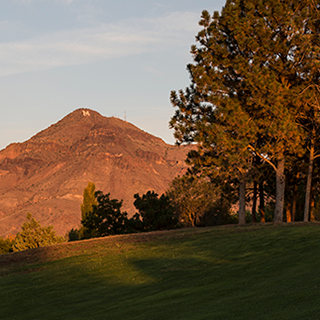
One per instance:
(47, 174)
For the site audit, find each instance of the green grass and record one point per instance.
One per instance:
(252, 272)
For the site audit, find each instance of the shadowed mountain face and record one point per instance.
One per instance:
(47, 174)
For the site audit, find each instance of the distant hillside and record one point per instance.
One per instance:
(46, 175)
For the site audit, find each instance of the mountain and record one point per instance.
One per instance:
(47, 174)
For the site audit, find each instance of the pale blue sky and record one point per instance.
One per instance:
(110, 56)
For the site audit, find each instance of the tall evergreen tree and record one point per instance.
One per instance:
(89, 201)
(310, 94)
(245, 83)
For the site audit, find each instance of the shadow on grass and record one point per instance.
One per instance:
(264, 274)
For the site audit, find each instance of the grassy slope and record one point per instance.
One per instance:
(253, 272)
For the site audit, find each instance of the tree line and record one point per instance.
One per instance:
(103, 216)
(252, 107)
(187, 202)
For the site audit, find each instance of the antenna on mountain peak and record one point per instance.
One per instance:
(125, 116)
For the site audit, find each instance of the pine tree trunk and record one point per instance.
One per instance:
(308, 188)
(294, 201)
(254, 203)
(261, 196)
(242, 201)
(280, 189)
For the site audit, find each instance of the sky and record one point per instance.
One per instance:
(115, 57)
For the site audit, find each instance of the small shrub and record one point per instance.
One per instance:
(73, 235)
(217, 214)
(6, 245)
(33, 235)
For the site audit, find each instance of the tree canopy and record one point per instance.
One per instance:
(251, 67)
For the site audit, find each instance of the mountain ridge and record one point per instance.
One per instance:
(46, 174)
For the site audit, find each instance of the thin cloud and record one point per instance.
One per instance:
(27, 2)
(107, 41)
(6, 25)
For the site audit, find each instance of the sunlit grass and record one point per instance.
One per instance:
(270, 272)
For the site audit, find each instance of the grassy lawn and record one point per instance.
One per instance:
(252, 272)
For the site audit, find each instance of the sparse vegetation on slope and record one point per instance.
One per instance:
(228, 272)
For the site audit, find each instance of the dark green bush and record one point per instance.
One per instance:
(106, 217)
(155, 213)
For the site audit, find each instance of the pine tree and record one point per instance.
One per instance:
(245, 82)
(309, 96)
